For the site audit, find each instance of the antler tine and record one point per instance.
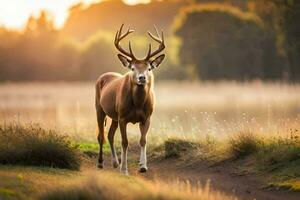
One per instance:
(120, 31)
(120, 37)
(158, 39)
(153, 37)
(127, 33)
(130, 49)
(156, 31)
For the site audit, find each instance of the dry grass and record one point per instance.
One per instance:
(33, 145)
(185, 110)
(109, 186)
(278, 156)
(244, 144)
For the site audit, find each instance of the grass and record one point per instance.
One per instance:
(291, 185)
(26, 182)
(110, 186)
(33, 145)
(176, 148)
(244, 144)
(276, 156)
(91, 147)
(184, 110)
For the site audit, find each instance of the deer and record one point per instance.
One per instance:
(127, 98)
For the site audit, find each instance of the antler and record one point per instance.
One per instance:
(158, 39)
(120, 37)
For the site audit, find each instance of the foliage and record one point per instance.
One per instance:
(225, 42)
(33, 145)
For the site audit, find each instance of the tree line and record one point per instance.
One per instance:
(206, 39)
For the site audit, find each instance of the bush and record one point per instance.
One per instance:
(244, 144)
(33, 145)
(175, 148)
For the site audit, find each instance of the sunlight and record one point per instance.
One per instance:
(132, 2)
(14, 13)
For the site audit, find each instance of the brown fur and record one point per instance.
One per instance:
(127, 99)
(121, 99)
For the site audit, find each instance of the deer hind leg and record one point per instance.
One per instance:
(111, 135)
(101, 123)
(123, 167)
(144, 127)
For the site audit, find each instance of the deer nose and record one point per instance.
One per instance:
(142, 78)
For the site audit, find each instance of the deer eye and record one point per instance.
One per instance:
(132, 69)
(149, 69)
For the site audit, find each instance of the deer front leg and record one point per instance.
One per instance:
(144, 127)
(123, 167)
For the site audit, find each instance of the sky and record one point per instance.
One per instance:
(14, 13)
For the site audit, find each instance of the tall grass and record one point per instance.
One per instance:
(33, 145)
(278, 151)
(111, 186)
(244, 144)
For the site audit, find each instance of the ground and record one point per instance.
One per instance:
(19, 182)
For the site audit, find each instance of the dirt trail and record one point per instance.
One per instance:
(244, 187)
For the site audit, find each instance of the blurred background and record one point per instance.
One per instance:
(206, 39)
(230, 63)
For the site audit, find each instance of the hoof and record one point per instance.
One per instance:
(100, 165)
(143, 170)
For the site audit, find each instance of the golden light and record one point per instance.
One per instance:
(14, 13)
(132, 2)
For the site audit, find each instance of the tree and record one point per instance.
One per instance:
(224, 42)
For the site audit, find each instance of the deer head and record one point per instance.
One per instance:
(141, 68)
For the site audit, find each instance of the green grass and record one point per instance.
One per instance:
(91, 147)
(33, 145)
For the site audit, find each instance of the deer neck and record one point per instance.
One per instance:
(140, 94)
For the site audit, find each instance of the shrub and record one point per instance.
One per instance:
(33, 145)
(244, 144)
(175, 148)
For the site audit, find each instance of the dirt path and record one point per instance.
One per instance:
(245, 187)
(221, 178)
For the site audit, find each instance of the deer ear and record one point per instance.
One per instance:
(157, 61)
(125, 61)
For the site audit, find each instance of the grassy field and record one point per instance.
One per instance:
(250, 130)
(185, 110)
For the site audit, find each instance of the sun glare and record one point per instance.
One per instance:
(132, 2)
(14, 13)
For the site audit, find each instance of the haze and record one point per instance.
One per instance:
(14, 13)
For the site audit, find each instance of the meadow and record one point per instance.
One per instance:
(205, 129)
(183, 109)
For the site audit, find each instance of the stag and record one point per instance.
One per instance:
(127, 99)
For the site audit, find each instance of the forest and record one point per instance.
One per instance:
(206, 40)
